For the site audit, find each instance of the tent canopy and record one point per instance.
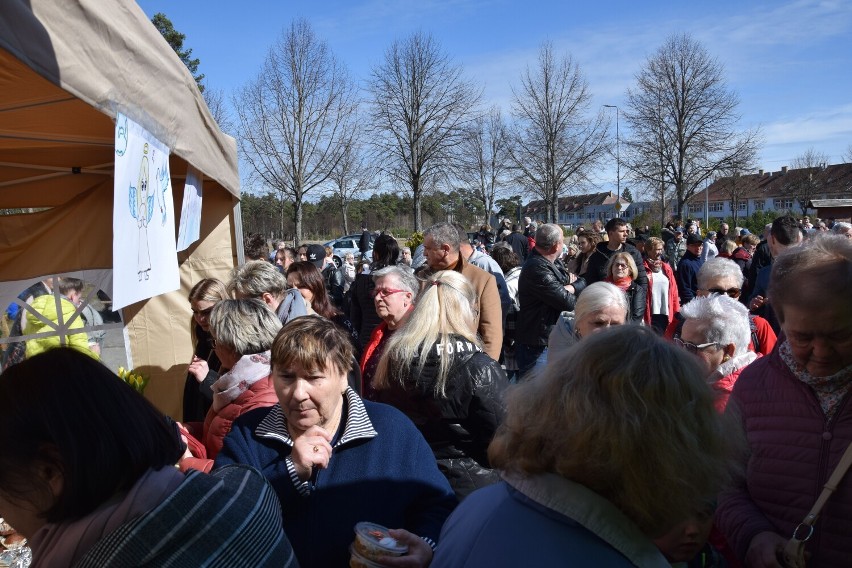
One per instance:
(66, 70)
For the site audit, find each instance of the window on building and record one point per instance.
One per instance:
(742, 206)
(783, 204)
(759, 204)
(696, 208)
(716, 207)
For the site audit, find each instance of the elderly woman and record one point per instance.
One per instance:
(362, 311)
(434, 370)
(204, 368)
(601, 305)
(308, 280)
(336, 460)
(261, 280)
(88, 476)
(582, 479)
(797, 414)
(393, 294)
(723, 276)
(844, 229)
(621, 270)
(663, 301)
(242, 332)
(716, 329)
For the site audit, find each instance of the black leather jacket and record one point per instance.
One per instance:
(459, 425)
(542, 296)
(334, 280)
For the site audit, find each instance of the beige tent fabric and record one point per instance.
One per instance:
(66, 69)
(108, 55)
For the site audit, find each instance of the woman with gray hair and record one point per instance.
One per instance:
(716, 329)
(841, 228)
(243, 332)
(394, 290)
(262, 280)
(601, 305)
(435, 371)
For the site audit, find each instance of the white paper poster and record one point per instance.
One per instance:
(190, 212)
(144, 256)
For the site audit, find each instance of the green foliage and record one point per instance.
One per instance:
(627, 195)
(414, 240)
(175, 39)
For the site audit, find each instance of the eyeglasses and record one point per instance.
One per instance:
(692, 347)
(732, 292)
(385, 292)
(204, 313)
(620, 265)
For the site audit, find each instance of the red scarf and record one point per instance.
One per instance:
(622, 283)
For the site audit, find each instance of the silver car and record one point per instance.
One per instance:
(344, 245)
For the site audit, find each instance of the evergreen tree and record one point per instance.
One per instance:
(175, 39)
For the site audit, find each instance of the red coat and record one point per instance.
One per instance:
(260, 394)
(793, 452)
(674, 299)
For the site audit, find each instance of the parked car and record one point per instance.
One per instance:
(343, 245)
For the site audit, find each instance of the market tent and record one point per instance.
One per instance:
(66, 70)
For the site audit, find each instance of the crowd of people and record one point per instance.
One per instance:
(525, 398)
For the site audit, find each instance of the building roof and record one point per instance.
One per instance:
(814, 203)
(574, 203)
(833, 180)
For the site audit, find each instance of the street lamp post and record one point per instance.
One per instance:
(617, 154)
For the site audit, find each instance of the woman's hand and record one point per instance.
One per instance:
(764, 550)
(757, 302)
(311, 449)
(419, 553)
(199, 369)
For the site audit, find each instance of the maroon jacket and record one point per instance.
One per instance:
(793, 452)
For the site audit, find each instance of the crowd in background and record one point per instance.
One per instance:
(677, 399)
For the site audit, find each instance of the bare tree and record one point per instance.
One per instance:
(352, 175)
(805, 181)
(420, 108)
(736, 187)
(215, 99)
(847, 157)
(556, 144)
(292, 117)
(682, 120)
(484, 159)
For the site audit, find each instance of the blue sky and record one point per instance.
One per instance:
(790, 61)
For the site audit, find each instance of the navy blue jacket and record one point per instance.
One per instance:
(388, 477)
(687, 276)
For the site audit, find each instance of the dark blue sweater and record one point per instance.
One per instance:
(391, 479)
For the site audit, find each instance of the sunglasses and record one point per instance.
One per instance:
(692, 347)
(385, 292)
(732, 292)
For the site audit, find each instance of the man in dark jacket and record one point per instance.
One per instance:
(687, 269)
(545, 290)
(617, 232)
(519, 243)
(365, 242)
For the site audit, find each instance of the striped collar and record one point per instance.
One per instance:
(357, 425)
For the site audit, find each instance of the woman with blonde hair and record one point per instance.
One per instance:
(582, 478)
(205, 365)
(621, 270)
(434, 370)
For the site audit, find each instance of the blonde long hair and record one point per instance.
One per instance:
(446, 306)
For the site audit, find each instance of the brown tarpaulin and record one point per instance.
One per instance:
(66, 69)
